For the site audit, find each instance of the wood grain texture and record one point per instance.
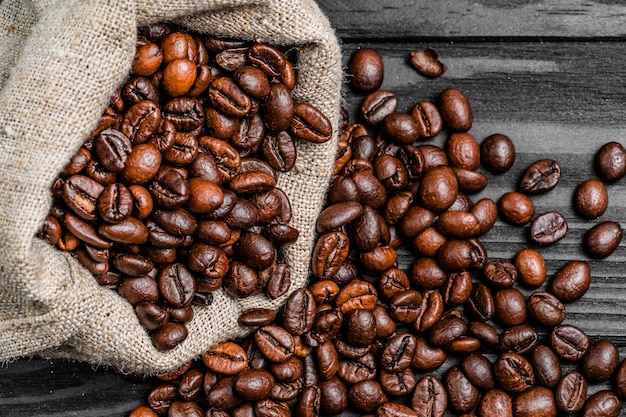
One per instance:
(549, 74)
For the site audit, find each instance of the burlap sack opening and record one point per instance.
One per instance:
(59, 64)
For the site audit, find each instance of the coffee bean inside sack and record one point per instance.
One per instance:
(406, 312)
(174, 194)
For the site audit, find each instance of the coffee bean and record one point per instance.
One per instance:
(462, 395)
(546, 366)
(510, 307)
(548, 228)
(428, 119)
(497, 153)
(610, 161)
(513, 372)
(366, 69)
(455, 110)
(169, 336)
(569, 342)
(591, 199)
(367, 396)
(603, 403)
(531, 267)
(478, 370)
(438, 188)
(495, 402)
(115, 203)
(500, 273)
(600, 361)
(536, 401)
(602, 239)
(571, 392)
(429, 397)
(176, 285)
(377, 105)
(516, 208)
(426, 62)
(310, 124)
(571, 281)
(81, 193)
(545, 308)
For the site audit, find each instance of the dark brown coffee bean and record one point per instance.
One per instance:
(484, 332)
(428, 119)
(241, 280)
(427, 63)
(541, 176)
(600, 361)
(457, 289)
(112, 148)
(516, 208)
(500, 273)
(330, 251)
(620, 380)
(360, 327)
(176, 285)
(427, 358)
(400, 128)
(458, 224)
(478, 371)
(134, 265)
(470, 181)
(392, 409)
(299, 312)
(463, 151)
(416, 220)
(538, 401)
(510, 307)
(429, 398)
(356, 294)
(398, 353)
(497, 153)
(252, 81)
(309, 403)
(519, 339)
(455, 110)
(169, 336)
(446, 331)
(495, 402)
(405, 306)
(486, 211)
(531, 267)
(141, 121)
(338, 215)
(275, 343)
(377, 105)
(610, 161)
(438, 188)
(430, 311)
(398, 383)
(151, 316)
(333, 396)
(546, 365)
(366, 69)
(481, 303)
(178, 222)
(591, 199)
(462, 395)
(513, 372)
(358, 369)
(603, 403)
(310, 124)
(127, 232)
(367, 396)
(548, 228)
(455, 255)
(226, 358)
(280, 151)
(571, 281)
(169, 189)
(253, 384)
(545, 308)
(279, 282)
(602, 239)
(115, 203)
(569, 342)
(228, 98)
(571, 392)
(161, 397)
(81, 193)
(278, 108)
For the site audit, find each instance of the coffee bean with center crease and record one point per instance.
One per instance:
(299, 312)
(169, 189)
(398, 353)
(112, 148)
(377, 105)
(330, 251)
(428, 119)
(541, 176)
(280, 151)
(176, 285)
(226, 358)
(513, 372)
(81, 193)
(569, 342)
(115, 203)
(571, 392)
(429, 397)
(545, 308)
(548, 228)
(519, 339)
(275, 343)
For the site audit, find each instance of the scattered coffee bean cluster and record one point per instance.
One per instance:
(174, 193)
(367, 336)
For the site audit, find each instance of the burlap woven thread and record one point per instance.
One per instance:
(60, 62)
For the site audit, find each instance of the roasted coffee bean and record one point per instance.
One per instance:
(591, 199)
(486, 212)
(545, 308)
(398, 383)
(115, 203)
(112, 148)
(50, 230)
(513, 372)
(309, 123)
(377, 105)
(603, 403)
(458, 224)
(275, 343)
(429, 397)
(531, 267)
(169, 189)
(427, 63)
(279, 282)
(457, 289)
(546, 366)
(470, 181)
(569, 342)
(438, 188)
(516, 208)
(222, 394)
(85, 232)
(548, 228)
(338, 215)
(178, 222)
(455, 255)
(500, 274)
(462, 395)
(81, 194)
(365, 69)
(495, 402)
(333, 396)
(478, 370)
(463, 151)
(390, 409)
(176, 285)
(484, 332)
(610, 161)
(330, 251)
(536, 401)
(358, 369)
(571, 281)
(428, 119)
(428, 242)
(280, 151)
(481, 302)
(398, 353)
(127, 232)
(161, 397)
(299, 312)
(519, 339)
(226, 358)
(253, 384)
(288, 371)
(169, 336)
(133, 265)
(571, 392)
(242, 280)
(600, 361)
(366, 396)
(620, 380)
(497, 153)
(510, 307)
(446, 331)
(228, 98)
(141, 121)
(541, 176)
(405, 307)
(360, 327)
(415, 221)
(401, 128)
(309, 403)
(602, 239)
(455, 110)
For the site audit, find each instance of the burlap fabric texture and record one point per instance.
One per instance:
(60, 62)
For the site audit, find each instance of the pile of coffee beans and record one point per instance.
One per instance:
(368, 336)
(174, 195)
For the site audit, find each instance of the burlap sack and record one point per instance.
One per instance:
(60, 61)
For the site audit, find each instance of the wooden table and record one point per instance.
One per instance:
(551, 74)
